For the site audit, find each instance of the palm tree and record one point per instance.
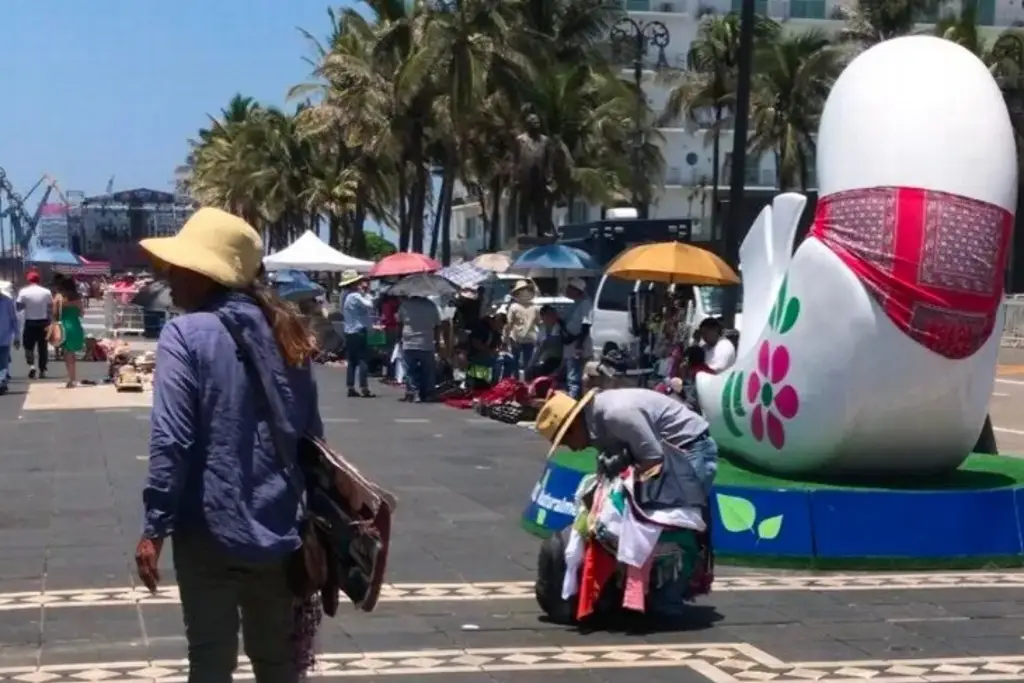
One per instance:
(704, 93)
(868, 22)
(794, 75)
(409, 89)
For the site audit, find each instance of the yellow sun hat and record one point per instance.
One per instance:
(520, 286)
(349, 278)
(556, 416)
(214, 243)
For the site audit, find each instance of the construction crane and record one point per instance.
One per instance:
(23, 225)
(51, 183)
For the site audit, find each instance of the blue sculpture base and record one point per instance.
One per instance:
(970, 518)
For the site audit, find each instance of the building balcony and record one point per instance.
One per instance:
(997, 13)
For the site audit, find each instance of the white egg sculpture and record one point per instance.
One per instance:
(873, 348)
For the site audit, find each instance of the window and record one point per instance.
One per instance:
(986, 13)
(473, 227)
(751, 171)
(713, 299)
(579, 212)
(807, 9)
(615, 293)
(760, 6)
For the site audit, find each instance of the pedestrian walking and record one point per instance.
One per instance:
(357, 311)
(218, 486)
(421, 340)
(35, 303)
(8, 337)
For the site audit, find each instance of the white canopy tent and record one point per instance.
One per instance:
(309, 252)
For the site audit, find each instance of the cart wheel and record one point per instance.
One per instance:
(550, 574)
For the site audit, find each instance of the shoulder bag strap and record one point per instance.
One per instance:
(272, 397)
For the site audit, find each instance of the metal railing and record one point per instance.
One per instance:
(1013, 330)
(121, 317)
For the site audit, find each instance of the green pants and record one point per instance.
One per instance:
(219, 595)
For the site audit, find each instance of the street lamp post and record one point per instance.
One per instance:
(640, 36)
(730, 234)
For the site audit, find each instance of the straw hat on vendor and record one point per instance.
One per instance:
(349, 278)
(561, 420)
(214, 254)
(523, 289)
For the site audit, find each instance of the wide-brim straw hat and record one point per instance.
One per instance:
(349, 278)
(520, 286)
(557, 414)
(214, 243)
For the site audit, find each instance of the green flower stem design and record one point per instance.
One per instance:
(732, 402)
(785, 311)
(740, 515)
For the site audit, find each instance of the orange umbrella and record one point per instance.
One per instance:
(672, 263)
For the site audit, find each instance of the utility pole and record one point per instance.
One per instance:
(731, 227)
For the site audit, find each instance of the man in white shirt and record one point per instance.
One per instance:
(35, 303)
(719, 352)
(579, 347)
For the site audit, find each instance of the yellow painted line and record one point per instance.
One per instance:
(486, 591)
(1004, 370)
(717, 662)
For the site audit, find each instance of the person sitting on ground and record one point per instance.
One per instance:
(684, 384)
(483, 345)
(547, 354)
(720, 353)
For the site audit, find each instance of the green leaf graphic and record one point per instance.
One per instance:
(738, 514)
(789, 315)
(727, 416)
(773, 316)
(769, 528)
(737, 395)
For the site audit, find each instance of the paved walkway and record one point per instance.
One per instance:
(460, 604)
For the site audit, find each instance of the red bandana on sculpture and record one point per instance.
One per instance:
(933, 261)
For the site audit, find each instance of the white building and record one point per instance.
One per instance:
(687, 153)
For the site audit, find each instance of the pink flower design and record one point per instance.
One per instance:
(770, 400)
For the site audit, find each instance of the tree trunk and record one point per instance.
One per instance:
(404, 228)
(435, 232)
(447, 190)
(334, 230)
(359, 227)
(494, 234)
(716, 172)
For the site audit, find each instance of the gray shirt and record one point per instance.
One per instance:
(640, 420)
(419, 318)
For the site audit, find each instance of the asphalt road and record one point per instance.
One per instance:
(460, 605)
(1007, 407)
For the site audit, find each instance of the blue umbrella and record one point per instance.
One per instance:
(554, 257)
(53, 256)
(281, 277)
(298, 291)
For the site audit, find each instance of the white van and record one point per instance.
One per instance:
(614, 319)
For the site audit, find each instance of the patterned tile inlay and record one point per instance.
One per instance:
(523, 590)
(719, 662)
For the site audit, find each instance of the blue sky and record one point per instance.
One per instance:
(101, 88)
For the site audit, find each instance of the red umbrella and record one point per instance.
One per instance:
(403, 264)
